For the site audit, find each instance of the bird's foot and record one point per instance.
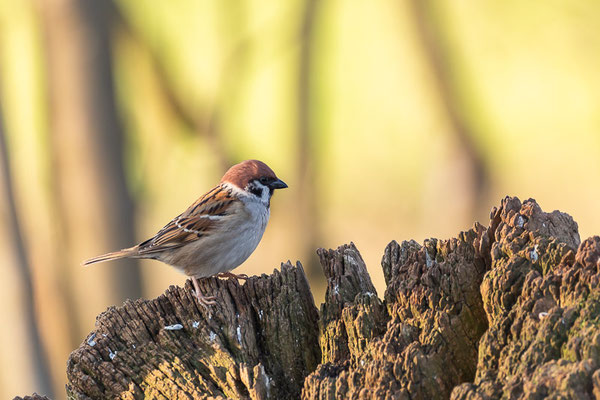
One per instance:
(231, 275)
(204, 301)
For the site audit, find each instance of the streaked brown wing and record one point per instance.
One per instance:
(199, 220)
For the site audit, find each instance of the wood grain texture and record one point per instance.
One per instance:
(260, 341)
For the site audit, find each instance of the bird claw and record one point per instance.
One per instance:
(231, 275)
(204, 301)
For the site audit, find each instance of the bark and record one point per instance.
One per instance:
(542, 303)
(510, 310)
(260, 341)
(34, 396)
(434, 316)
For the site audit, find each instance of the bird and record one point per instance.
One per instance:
(218, 232)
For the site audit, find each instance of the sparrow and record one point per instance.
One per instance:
(216, 233)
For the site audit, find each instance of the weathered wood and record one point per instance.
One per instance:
(352, 314)
(260, 341)
(435, 317)
(34, 396)
(542, 300)
(507, 311)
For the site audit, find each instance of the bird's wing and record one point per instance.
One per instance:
(201, 219)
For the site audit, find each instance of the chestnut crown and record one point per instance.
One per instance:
(243, 173)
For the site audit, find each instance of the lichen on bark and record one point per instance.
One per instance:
(541, 298)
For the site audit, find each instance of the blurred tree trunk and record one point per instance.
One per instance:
(307, 161)
(94, 207)
(38, 362)
(199, 121)
(436, 47)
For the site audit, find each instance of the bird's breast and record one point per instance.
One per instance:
(226, 249)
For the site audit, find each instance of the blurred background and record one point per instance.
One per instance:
(388, 120)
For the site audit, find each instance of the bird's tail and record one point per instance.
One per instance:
(115, 255)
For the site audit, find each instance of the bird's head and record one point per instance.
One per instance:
(255, 178)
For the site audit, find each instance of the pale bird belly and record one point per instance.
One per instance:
(218, 253)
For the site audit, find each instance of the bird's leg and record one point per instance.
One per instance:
(231, 275)
(204, 301)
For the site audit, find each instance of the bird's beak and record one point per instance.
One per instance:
(278, 184)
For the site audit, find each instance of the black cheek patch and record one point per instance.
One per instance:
(256, 191)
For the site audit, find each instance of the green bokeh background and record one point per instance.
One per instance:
(388, 120)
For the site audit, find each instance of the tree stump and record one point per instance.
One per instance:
(259, 341)
(419, 344)
(511, 310)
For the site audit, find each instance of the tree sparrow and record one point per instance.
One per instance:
(216, 233)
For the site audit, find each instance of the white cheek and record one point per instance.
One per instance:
(266, 195)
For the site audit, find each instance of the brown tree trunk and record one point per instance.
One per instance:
(39, 361)
(94, 208)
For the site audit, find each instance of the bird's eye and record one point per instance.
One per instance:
(264, 180)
